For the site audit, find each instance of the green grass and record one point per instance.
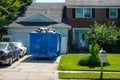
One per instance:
(70, 62)
(109, 76)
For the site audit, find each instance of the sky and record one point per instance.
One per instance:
(52, 1)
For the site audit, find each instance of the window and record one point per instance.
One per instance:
(7, 38)
(9, 47)
(83, 13)
(113, 13)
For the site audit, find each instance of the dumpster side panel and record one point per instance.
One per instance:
(44, 45)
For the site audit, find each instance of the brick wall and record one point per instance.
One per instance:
(100, 17)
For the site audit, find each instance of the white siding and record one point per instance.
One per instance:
(63, 45)
(64, 40)
(22, 35)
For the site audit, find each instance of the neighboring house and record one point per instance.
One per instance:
(79, 14)
(44, 15)
(82, 13)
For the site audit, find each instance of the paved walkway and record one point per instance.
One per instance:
(65, 71)
(29, 69)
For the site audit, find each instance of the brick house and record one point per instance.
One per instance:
(82, 13)
(71, 18)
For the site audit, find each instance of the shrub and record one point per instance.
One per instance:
(90, 61)
(93, 60)
(94, 49)
(84, 61)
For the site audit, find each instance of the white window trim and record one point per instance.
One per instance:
(73, 32)
(83, 13)
(116, 13)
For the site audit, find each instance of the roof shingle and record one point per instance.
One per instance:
(93, 2)
(53, 10)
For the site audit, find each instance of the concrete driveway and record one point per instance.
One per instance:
(28, 68)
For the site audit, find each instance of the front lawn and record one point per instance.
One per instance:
(70, 62)
(106, 76)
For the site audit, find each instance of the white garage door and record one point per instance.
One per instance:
(21, 37)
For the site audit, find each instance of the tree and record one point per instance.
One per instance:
(106, 34)
(9, 11)
(92, 60)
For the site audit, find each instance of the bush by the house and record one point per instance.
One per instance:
(93, 60)
(107, 36)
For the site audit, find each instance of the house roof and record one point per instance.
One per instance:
(38, 24)
(53, 10)
(50, 1)
(101, 3)
(40, 14)
(37, 17)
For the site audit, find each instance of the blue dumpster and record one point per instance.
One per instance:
(44, 44)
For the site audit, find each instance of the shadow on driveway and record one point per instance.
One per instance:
(31, 59)
(3, 66)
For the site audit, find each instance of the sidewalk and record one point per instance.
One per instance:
(88, 74)
(65, 71)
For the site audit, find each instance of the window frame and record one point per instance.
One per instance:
(116, 14)
(77, 10)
